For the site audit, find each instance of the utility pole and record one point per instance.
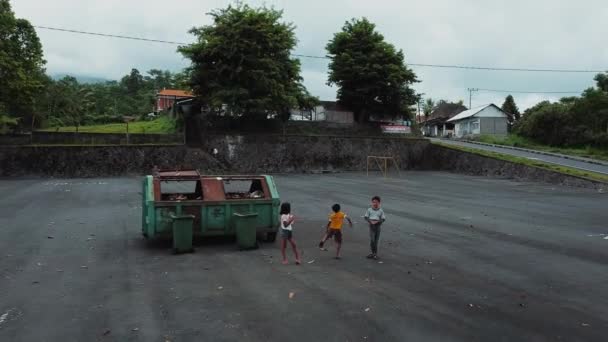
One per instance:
(471, 90)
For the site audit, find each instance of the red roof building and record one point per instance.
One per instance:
(166, 98)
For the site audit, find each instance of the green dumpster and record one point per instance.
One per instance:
(246, 232)
(212, 200)
(182, 233)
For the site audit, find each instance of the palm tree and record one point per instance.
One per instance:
(427, 107)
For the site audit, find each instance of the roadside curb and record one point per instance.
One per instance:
(581, 159)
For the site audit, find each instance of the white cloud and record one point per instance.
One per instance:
(519, 33)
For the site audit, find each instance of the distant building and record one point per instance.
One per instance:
(436, 124)
(329, 111)
(166, 98)
(487, 119)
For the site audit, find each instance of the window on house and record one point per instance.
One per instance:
(475, 126)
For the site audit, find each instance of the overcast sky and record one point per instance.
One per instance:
(529, 34)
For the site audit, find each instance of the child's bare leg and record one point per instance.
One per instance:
(338, 246)
(283, 246)
(325, 237)
(295, 250)
(323, 240)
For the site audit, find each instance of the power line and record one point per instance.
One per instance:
(504, 69)
(447, 66)
(527, 92)
(110, 35)
(309, 56)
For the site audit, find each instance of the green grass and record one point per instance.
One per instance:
(517, 141)
(162, 124)
(598, 177)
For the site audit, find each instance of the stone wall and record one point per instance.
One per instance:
(74, 138)
(90, 161)
(446, 159)
(266, 154)
(15, 139)
(236, 154)
(295, 153)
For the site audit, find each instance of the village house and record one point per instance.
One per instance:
(167, 98)
(437, 124)
(488, 119)
(329, 111)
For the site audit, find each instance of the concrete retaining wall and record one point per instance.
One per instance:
(277, 153)
(85, 161)
(446, 159)
(266, 154)
(73, 138)
(236, 154)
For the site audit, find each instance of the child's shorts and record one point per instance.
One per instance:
(286, 234)
(336, 234)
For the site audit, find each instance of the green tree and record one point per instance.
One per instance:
(573, 121)
(71, 102)
(510, 107)
(547, 123)
(7, 123)
(242, 61)
(133, 82)
(158, 79)
(181, 80)
(427, 107)
(21, 65)
(602, 81)
(591, 111)
(370, 73)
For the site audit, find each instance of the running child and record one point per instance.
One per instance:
(334, 228)
(287, 220)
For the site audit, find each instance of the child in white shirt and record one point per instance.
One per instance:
(287, 220)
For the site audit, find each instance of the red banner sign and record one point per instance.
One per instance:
(396, 129)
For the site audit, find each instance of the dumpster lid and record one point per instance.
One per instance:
(178, 174)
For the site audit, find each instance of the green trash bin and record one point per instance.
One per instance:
(182, 233)
(245, 225)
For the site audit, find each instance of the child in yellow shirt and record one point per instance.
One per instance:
(334, 228)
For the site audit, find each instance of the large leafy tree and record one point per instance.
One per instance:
(242, 63)
(133, 82)
(602, 81)
(21, 64)
(370, 73)
(573, 121)
(510, 107)
(71, 102)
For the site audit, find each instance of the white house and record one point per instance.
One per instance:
(487, 119)
(329, 111)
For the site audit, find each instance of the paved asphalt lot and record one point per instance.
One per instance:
(463, 259)
(546, 158)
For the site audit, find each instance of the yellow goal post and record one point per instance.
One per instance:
(383, 164)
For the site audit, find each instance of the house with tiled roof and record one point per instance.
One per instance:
(436, 124)
(167, 98)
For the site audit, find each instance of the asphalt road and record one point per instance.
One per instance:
(463, 259)
(546, 158)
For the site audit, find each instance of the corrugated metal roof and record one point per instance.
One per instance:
(469, 112)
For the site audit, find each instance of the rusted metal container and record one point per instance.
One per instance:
(211, 200)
